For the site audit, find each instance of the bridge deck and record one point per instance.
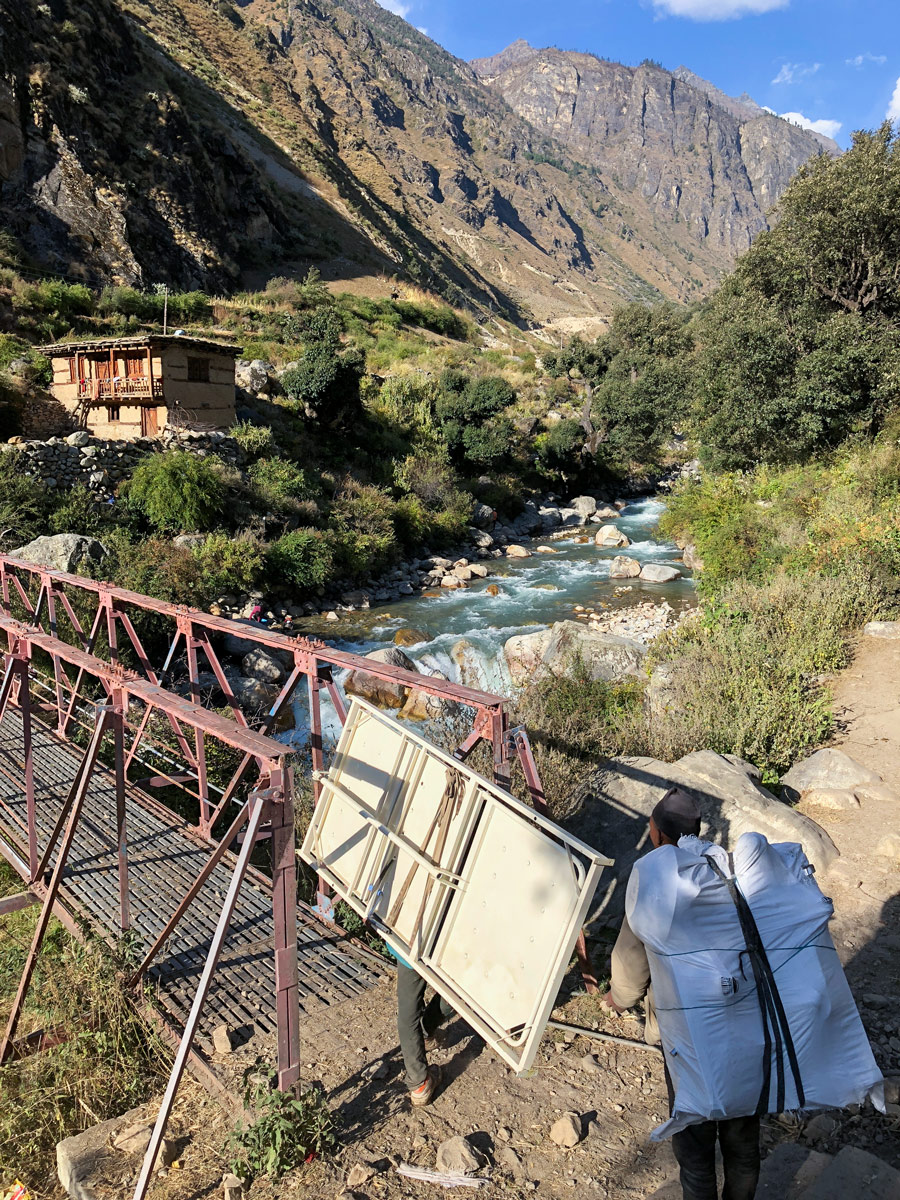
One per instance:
(163, 861)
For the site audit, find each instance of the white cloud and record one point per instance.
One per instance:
(422, 29)
(794, 72)
(893, 112)
(860, 60)
(716, 10)
(827, 128)
(396, 7)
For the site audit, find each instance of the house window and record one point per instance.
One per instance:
(73, 377)
(112, 412)
(198, 370)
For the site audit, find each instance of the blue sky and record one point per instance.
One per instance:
(832, 62)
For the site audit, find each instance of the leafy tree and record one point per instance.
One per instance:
(644, 391)
(469, 413)
(325, 382)
(839, 226)
(799, 347)
(559, 447)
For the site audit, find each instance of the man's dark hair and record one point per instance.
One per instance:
(677, 814)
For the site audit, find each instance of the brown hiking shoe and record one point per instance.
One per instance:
(425, 1092)
(436, 1040)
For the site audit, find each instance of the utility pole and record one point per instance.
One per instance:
(165, 307)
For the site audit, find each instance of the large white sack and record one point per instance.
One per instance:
(705, 994)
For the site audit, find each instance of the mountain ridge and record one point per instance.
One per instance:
(206, 146)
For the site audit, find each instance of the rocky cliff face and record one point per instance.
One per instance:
(206, 145)
(668, 143)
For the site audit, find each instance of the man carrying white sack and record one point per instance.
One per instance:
(743, 989)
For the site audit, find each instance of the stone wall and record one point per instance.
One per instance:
(44, 417)
(100, 463)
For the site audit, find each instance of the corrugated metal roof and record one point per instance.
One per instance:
(125, 343)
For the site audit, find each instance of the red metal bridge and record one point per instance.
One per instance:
(132, 807)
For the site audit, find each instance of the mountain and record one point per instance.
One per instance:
(208, 144)
(702, 168)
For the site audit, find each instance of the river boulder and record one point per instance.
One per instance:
(585, 505)
(610, 809)
(517, 552)
(623, 567)
(483, 516)
(263, 665)
(524, 653)
(609, 535)
(605, 512)
(690, 557)
(384, 693)
(604, 655)
(658, 573)
(410, 636)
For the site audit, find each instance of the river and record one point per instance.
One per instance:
(533, 594)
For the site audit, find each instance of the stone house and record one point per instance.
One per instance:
(134, 387)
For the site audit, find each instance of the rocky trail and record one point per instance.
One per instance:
(614, 1093)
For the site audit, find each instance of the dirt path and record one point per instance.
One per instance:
(619, 1093)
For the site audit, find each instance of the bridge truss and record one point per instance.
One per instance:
(91, 725)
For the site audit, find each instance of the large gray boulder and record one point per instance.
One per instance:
(384, 693)
(623, 567)
(882, 629)
(604, 655)
(610, 535)
(63, 552)
(252, 376)
(827, 769)
(483, 516)
(611, 809)
(658, 573)
(524, 653)
(586, 505)
(261, 664)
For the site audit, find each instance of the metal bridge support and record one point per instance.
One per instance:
(284, 903)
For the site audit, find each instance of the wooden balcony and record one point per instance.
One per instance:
(121, 389)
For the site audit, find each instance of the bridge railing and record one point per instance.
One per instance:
(110, 621)
(121, 701)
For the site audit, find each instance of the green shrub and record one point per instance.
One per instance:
(743, 674)
(179, 491)
(111, 1061)
(24, 503)
(278, 482)
(302, 559)
(229, 564)
(82, 512)
(287, 1128)
(573, 721)
(55, 297)
(365, 534)
(438, 318)
(155, 567)
(255, 440)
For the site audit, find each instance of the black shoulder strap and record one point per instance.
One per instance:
(774, 1018)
